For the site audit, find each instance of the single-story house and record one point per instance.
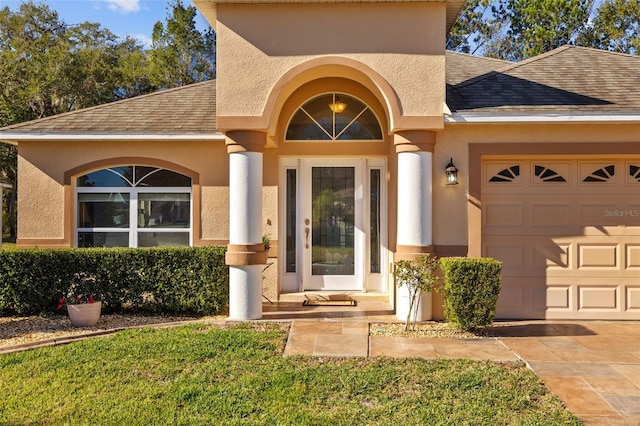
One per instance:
(336, 129)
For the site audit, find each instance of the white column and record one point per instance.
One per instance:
(414, 199)
(245, 210)
(414, 219)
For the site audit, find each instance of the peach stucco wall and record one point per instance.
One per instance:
(45, 204)
(401, 45)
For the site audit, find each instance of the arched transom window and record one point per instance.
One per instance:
(333, 117)
(133, 206)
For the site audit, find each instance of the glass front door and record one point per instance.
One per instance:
(333, 231)
(333, 224)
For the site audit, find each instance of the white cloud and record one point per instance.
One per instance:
(144, 39)
(123, 6)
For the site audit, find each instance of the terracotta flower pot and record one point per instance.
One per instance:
(85, 314)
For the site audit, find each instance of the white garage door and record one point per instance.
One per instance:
(568, 234)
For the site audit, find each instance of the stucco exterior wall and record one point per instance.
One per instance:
(259, 44)
(46, 202)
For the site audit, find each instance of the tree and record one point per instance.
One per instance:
(180, 54)
(538, 26)
(476, 26)
(49, 68)
(615, 27)
(519, 29)
(419, 276)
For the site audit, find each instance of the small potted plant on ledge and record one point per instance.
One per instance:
(83, 310)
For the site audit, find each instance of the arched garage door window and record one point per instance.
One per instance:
(133, 206)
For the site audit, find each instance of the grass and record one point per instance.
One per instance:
(203, 375)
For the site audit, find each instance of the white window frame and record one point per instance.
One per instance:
(133, 228)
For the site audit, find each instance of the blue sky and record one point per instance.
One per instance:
(122, 17)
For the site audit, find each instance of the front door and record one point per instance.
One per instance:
(332, 217)
(332, 224)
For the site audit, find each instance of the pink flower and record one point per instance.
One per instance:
(60, 303)
(91, 299)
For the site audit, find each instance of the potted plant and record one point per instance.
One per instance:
(83, 310)
(266, 240)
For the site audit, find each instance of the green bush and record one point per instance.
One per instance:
(471, 289)
(162, 280)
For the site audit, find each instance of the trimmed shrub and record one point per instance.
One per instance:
(471, 290)
(178, 280)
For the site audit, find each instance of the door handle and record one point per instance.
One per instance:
(306, 232)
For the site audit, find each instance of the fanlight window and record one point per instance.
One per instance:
(333, 117)
(133, 206)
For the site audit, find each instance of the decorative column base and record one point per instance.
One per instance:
(424, 311)
(245, 292)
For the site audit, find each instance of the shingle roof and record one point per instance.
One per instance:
(461, 67)
(565, 80)
(568, 79)
(183, 110)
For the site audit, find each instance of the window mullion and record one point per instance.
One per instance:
(133, 218)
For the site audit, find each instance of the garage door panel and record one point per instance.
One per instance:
(521, 297)
(597, 257)
(607, 214)
(524, 255)
(599, 298)
(633, 298)
(503, 215)
(558, 298)
(548, 255)
(632, 258)
(511, 253)
(545, 216)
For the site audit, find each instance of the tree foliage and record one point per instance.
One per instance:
(49, 67)
(476, 26)
(615, 27)
(181, 54)
(538, 26)
(519, 29)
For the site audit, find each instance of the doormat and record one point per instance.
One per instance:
(329, 303)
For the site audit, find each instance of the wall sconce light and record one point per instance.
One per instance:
(452, 173)
(337, 105)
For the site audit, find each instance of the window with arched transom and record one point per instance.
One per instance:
(133, 206)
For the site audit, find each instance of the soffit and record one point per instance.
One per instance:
(208, 7)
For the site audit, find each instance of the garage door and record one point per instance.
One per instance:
(568, 234)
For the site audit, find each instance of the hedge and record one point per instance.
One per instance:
(177, 280)
(471, 289)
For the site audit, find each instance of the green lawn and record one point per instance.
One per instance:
(203, 375)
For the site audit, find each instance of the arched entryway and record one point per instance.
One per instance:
(333, 208)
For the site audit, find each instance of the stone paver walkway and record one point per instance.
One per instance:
(593, 366)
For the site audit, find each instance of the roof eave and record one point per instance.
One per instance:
(15, 137)
(540, 117)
